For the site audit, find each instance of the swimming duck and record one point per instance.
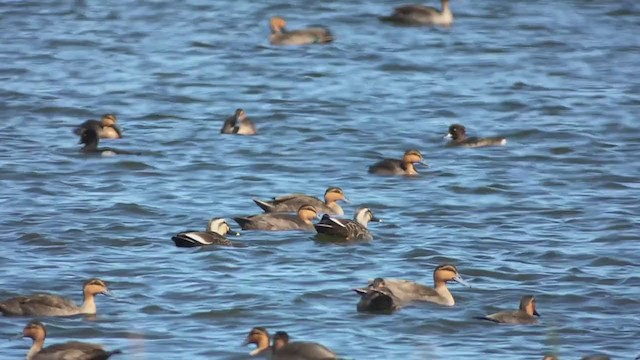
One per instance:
(349, 230)
(313, 35)
(407, 290)
(89, 137)
(420, 15)
(282, 349)
(377, 298)
(106, 128)
(55, 305)
(458, 135)
(405, 166)
(214, 235)
(526, 314)
(280, 221)
(239, 124)
(73, 350)
(292, 202)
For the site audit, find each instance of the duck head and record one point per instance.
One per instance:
(94, 287)
(260, 337)
(307, 213)
(280, 340)
(89, 137)
(445, 273)
(220, 226)
(277, 24)
(413, 156)
(240, 115)
(528, 305)
(109, 120)
(365, 215)
(35, 330)
(456, 132)
(334, 194)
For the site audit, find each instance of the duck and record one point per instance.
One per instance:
(239, 124)
(458, 135)
(420, 15)
(404, 166)
(54, 305)
(526, 314)
(282, 349)
(292, 202)
(346, 229)
(107, 127)
(89, 137)
(214, 235)
(280, 221)
(407, 291)
(72, 350)
(313, 35)
(377, 298)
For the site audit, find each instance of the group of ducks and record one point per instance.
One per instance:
(407, 15)
(287, 212)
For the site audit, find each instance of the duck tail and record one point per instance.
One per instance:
(243, 222)
(267, 207)
(183, 241)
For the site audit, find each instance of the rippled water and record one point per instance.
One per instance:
(555, 213)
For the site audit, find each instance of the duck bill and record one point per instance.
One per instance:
(108, 293)
(423, 164)
(375, 219)
(535, 312)
(461, 281)
(360, 291)
(234, 233)
(447, 136)
(346, 200)
(17, 336)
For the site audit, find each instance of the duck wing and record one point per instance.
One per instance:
(303, 350)
(74, 350)
(39, 305)
(289, 203)
(408, 290)
(510, 317)
(200, 238)
(343, 228)
(387, 167)
(273, 222)
(379, 300)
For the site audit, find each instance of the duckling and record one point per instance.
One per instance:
(377, 298)
(526, 314)
(89, 137)
(73, 350)
(214, 235)
(349, 230)
(282, 349)
(313, 35)
(420, 15)
(280, 221)
(239, 124)
(399, 167)
(407, 290)
(458, 135)
(106, 128)
(55, 305)
(292, 202)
